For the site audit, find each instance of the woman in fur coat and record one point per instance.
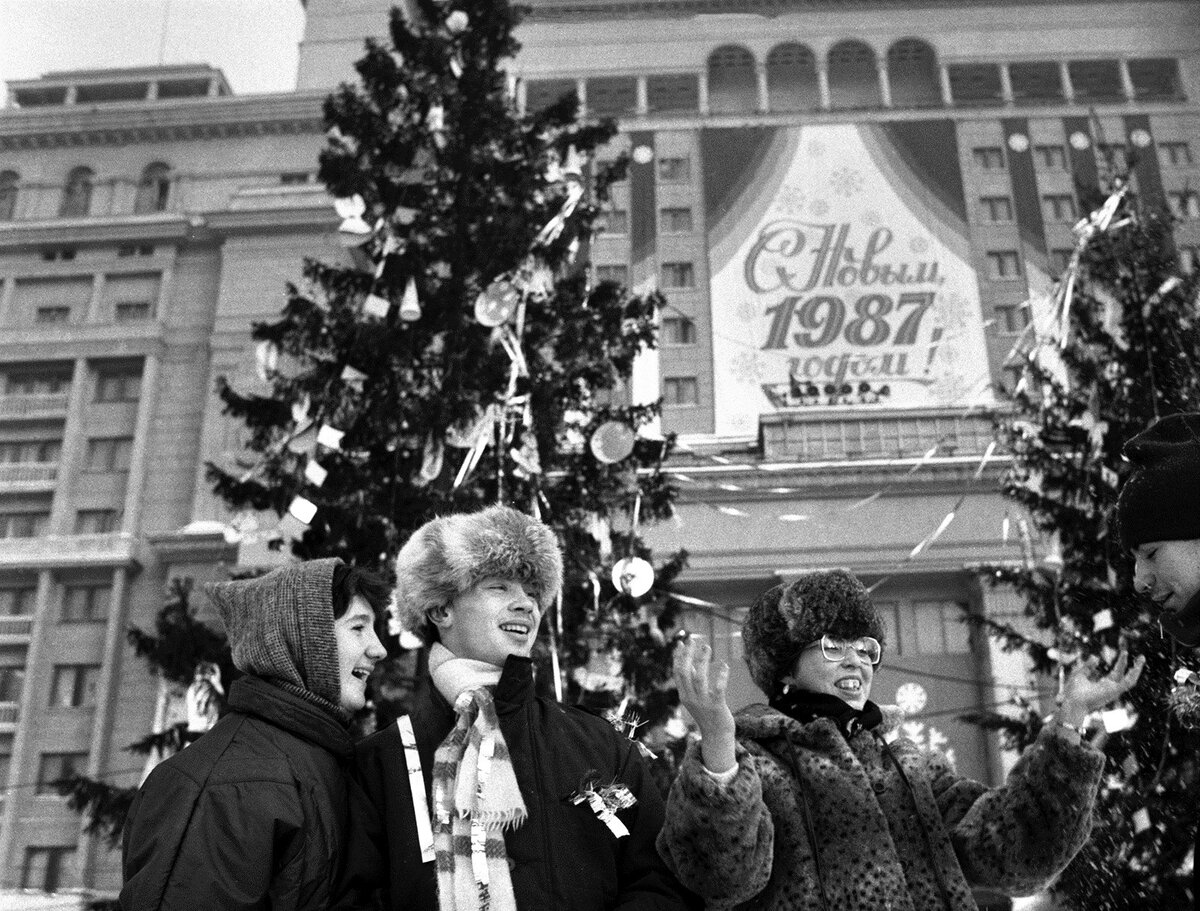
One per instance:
(803, 804)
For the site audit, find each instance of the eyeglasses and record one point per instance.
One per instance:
(867, 648)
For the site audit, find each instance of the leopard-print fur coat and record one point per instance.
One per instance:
(745, 845)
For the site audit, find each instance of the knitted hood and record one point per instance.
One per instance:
(447, 556)
(280, 626)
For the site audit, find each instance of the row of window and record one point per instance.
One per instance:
(153, 192)
(123, 312)
(71, 685)
(851, 77)
(81, 603)
(104, 454)
(33, 523)
(1053, 157)
(117, 383)
(673, 220)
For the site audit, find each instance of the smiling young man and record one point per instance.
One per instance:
(256, 814)
(493, 797)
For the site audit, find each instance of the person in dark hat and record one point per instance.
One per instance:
(492, 797)
(804, 804)
(256, 813)
(1158, 519)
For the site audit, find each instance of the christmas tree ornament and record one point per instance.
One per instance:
(457, 22)
(304, 440)
(612, 442)
(301, 409)
(353, 231)
(432, 457)
(302, 510)
(497, 304)
(376, 306)
(353, 377)
(315, 473)
(410, 307)
(643, 154)
(1117, 719)
(572, 166)
(330, 437)
(266, 359)
(633, 576)
(1102, 620)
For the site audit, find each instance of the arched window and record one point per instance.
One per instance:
(8, 194)
(77, 195)
(732, 85)
(153, 189)
(913, 74)
(792, 78)
(853, 76)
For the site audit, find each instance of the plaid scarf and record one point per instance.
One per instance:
(475, 792)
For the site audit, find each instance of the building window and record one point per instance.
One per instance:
(613, 273)
(1096, 80)
(55, 314)
(119, 385)
(132, 311)
(77, 194)
(996, 208)
(36, 383)
(153, 189)
(109, 454)
(86, 603)
(1058, 207)
(1012, 317)
(18, 601)
(678, 275)
(1035, 83)
(677, 167)
(46, 868)
(942, 628)
(1113, 155)
(612, 96)
(74, 686)
(680, 390)
(792, 81)
(1156, 78)
(8, 194)
(1189, 258)
(12, 681)
(913, 73)
(732, 84)
(887, 612)
(135, 250)
(678, 330)
(853, 76)
(1051, 157)
(541, 93)
(988, 158)
(40, 452)
(57, 766)
(1183, 203)
(1003, 264)
(1060, 258)
(1175, 154)
(295, 178)
(59, 254)
(23, 524)
(675, 221)
(673, 93)
(616, 221)
(976, 84)
(96, 521)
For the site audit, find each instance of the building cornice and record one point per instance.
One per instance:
(123, 229)
(284, 113)
(566, 10)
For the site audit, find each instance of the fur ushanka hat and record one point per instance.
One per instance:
(789, 616)
(446, 556)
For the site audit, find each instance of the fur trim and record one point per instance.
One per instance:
(789, 616)
(448, 555)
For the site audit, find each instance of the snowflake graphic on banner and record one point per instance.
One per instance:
(818, 207)
(791, 200)
(846, 181)
(927, 737)
(746, 367)
(747, 311)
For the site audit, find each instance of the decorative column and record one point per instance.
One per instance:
(1068, 87)
(522, 96)
(885, 83)
(581, 94)
(1127, 80)
(764, 89)
(643, 97)
(947, 92)
(1006, 91)
(823, 86)
(68, 462)
(132, 510)
(702, 92)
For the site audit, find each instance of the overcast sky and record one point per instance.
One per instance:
(253, 41)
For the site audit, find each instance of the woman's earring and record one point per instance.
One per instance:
(787, 688)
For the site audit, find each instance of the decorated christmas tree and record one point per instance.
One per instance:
(461, 354)
(1115, 347)
(192, 663)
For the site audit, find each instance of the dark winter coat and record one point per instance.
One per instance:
(747, 845)
(563, 856)
(253, 815)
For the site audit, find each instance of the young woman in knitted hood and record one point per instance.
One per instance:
(804, 804)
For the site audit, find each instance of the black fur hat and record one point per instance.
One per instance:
(446, 556)
(786, 618)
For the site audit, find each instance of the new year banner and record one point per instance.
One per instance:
(840, 271)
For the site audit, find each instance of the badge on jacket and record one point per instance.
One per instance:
(605, 801)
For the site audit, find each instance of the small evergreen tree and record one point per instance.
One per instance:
(463, 355)
(1120, 350)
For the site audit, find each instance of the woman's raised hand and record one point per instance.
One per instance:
(704, 698)
(1085, 690)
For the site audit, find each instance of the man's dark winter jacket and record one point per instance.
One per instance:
(562, 857)
(250, 816)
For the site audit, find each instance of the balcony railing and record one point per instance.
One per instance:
(28, 474)
(34, 405)
(805, 436)
(19, 626)
(115, 549)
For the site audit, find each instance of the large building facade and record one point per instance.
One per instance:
(847, 206)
